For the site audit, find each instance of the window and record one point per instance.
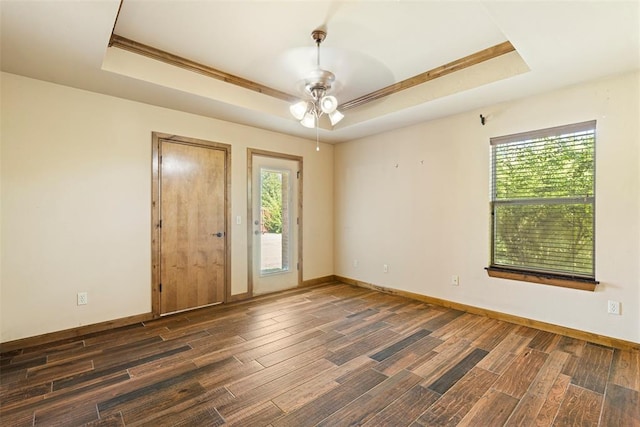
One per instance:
(274, 221)
(543, 204)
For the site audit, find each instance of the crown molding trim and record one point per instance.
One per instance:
(178, 61)
(435, 73)
(441, 71)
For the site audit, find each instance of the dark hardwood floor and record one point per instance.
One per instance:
(332, 355)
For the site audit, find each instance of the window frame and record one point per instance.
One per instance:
(532, 274)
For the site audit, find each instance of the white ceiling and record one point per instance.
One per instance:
(370, 45)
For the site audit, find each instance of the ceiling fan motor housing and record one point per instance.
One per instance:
(318, 83)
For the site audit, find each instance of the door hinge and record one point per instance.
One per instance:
(160, 287)
(298, 221)
(160, 159)
(298, 175)
(298, 266)
(160, 224)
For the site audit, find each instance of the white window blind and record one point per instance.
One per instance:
(543, 201)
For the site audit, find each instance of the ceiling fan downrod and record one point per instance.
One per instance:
(318, 36)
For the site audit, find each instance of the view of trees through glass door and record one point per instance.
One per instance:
(274, 220)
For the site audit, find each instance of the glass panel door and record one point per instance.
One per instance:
(275, 224)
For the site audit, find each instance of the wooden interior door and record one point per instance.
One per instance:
(192, 226)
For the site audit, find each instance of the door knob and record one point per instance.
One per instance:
(256, 232)
(218, 234)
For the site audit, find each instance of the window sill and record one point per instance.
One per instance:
(545, 279)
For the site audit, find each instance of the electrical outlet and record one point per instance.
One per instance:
(385, 268)
(455, 280)
(82, 298)
(613, 307)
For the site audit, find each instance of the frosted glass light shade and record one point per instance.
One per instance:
(335, 117)
(328, 104)
(298, 110)
(308, 121)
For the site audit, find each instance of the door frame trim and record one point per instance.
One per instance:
(263, 153)
(156, 199)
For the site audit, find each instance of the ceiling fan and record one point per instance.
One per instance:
(316, 88)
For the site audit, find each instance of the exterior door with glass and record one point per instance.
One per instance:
(275, 223)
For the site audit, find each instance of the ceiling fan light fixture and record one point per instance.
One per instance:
(299, 109)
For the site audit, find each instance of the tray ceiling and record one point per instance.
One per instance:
(371, 45)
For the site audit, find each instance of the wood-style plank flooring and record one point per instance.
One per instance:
(333, 355)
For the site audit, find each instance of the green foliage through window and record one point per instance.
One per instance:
(543, 199)
(271, 209)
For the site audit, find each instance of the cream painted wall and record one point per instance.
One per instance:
(75, 208)
(417, 199)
